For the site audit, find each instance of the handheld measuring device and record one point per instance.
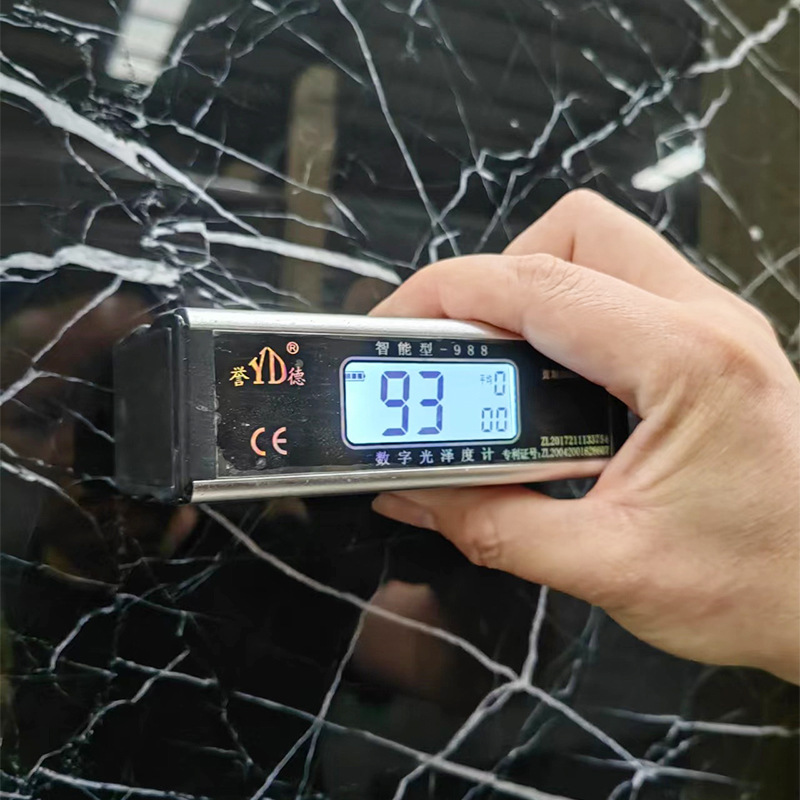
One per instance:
(220, 404)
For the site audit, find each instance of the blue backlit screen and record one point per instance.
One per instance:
(389, 403)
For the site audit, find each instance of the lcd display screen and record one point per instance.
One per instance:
(389, 403)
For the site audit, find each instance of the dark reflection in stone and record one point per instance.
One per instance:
(310, 156)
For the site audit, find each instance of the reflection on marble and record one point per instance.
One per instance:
(311, 154)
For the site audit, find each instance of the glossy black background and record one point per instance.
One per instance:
(308, 155)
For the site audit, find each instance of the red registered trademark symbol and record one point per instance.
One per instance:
(292, 348)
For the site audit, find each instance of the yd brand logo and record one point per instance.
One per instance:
(276, 367)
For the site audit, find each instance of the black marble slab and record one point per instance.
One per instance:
(310, 155)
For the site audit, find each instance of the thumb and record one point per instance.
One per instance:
(580, 547)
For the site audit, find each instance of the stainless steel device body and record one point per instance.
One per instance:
(331, 479)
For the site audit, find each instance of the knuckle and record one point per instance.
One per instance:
(732, 309)
(481, 540)
(730, 353)
(758, 317)
(580, 200)
(713, 355)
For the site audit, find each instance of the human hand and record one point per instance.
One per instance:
(691, 537)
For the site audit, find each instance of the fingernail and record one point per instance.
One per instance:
(402, 509)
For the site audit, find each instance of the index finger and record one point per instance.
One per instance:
(585, 228)
(599, 326)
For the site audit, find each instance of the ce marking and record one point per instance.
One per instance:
(277, 441)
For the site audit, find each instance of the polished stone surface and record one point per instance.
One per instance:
(309, 155)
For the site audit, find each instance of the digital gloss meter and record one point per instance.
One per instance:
(217, 404)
